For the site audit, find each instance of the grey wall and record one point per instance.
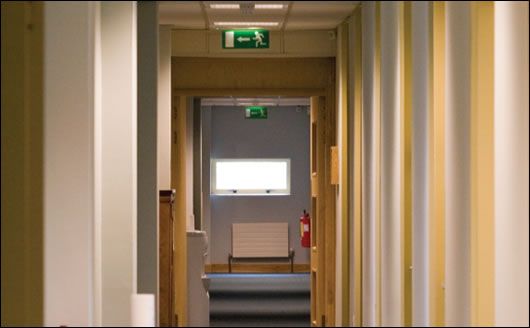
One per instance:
(285, 134)
(147, 233)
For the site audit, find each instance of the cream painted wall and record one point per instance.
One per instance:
(511, 164)
(390, 166)
(420, 164)
(118, 160)
(69, 104)
(457, 179)
(369, 149)
(164, 108)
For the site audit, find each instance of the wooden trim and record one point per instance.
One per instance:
(378, 159)
(221, 92)
(178, 183)
(406, 160)
(257, 268)
(335, 168)
(437, 163)
(330, 264)
(482, 165)
(343, 56)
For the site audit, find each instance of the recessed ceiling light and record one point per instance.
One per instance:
(246, 23)
(224, 6)
(268, 6)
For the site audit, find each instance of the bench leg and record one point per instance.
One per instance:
(229, 263)
(291, 257)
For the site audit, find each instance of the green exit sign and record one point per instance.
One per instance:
(246, 39)
(256, 112)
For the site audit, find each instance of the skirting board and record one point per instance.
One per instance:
(256, 268)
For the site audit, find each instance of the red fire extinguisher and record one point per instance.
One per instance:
(305, 230)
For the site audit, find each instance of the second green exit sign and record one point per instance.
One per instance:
(246, 39)
(256, 112)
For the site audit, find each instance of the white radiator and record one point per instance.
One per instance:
(260, 240)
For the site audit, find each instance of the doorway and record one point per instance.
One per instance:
(259, 77)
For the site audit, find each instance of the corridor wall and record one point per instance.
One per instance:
(461, 69)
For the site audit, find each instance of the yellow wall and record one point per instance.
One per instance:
(22, 194)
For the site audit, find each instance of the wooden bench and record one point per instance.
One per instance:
(260, 240)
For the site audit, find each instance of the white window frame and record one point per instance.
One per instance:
(248, 192)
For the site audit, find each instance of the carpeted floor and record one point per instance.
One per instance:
(259, 300)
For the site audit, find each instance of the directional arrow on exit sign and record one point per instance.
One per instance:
(246, 39)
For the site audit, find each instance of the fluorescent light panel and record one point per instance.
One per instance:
(268, 6)
(224, 6)
(246, 23)
(236, 6)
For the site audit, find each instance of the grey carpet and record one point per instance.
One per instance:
(259, 300)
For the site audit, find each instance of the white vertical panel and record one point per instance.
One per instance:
(190, 218)
(420, 164)
(511, 164)
(69, 36)
(164, 108)
(338, 200)
(119, 155)
(351, 196)
(390, 166)
(98, 139)
(457, 269)
(369, 149)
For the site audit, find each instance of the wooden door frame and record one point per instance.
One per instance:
(297, 77)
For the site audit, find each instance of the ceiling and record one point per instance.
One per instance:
(293, 15)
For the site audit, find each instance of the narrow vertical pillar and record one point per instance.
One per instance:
(356, 174)
(457, 164)
(391, 302)
(511, 163)
(118, 160)
(368, 164)
(437, 164)
(420, 164)
(482, 163)
(147, 147)
(69, 173)
(164, 108)
(406, 160)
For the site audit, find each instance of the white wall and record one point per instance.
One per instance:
(368, 170)
(69, 34)
(118, 160)
(457, 178)
(511, 164)
(390, 166)
(164, 108)
(420, 164)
